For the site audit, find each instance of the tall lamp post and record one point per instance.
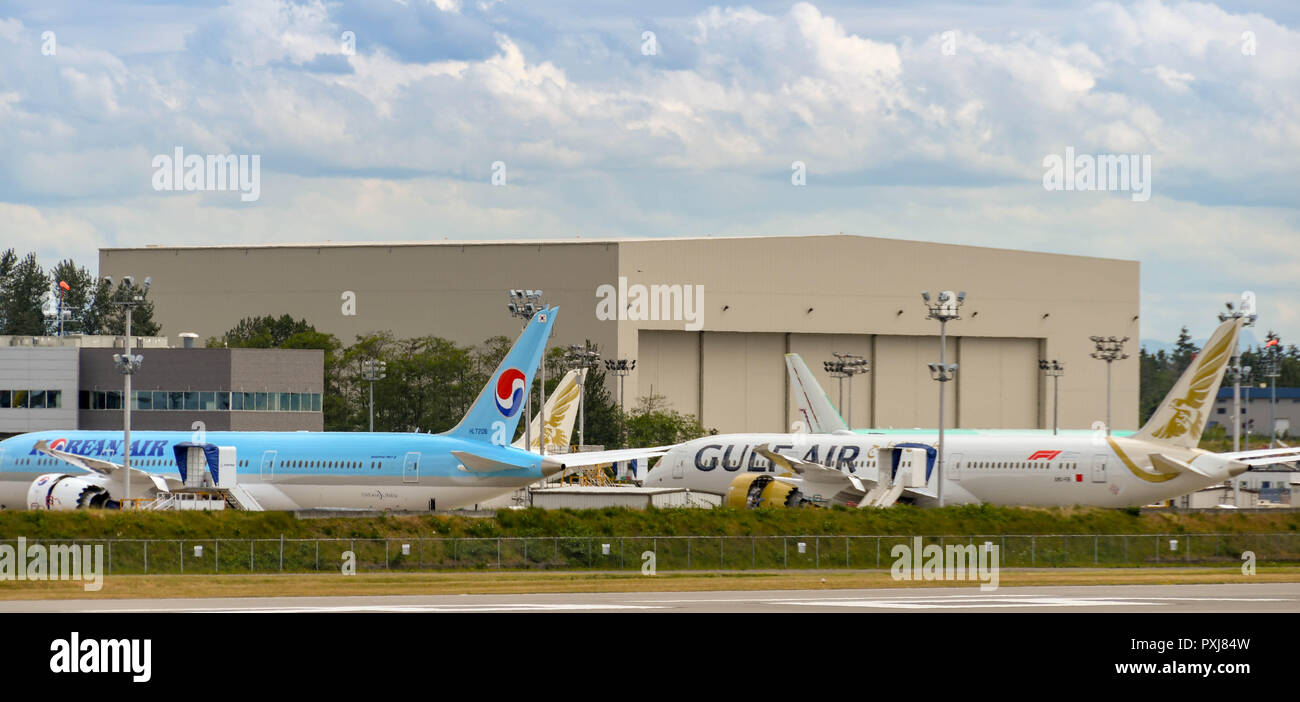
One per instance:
(1236, 371)
(1109, 349)
(620, 367)
(946, 308)
(585, 357)
(835, 369)
(1054, 370)
(1272, 369)
(128, 297)
(846, 365)
(523, 305)
(373, 370)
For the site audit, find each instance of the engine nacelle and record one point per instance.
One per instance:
(753, 490)
(57, 491)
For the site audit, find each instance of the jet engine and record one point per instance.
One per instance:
(753, 490)
(57, 491)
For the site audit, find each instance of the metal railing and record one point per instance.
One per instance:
(728, 553)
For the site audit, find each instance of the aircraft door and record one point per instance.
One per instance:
(411, 468)
(268, 466)
(679, 467)
(1099, 468)
(952, 466)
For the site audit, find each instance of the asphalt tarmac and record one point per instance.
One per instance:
(1185, 599)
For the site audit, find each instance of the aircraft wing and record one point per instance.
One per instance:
(474, 463)
(106, 468)
(595, 458)
(1265, 457)
(828, 480)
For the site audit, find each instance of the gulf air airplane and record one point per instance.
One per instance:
(474, 461)
(1160, 461)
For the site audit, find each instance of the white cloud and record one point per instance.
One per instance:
(900, 138)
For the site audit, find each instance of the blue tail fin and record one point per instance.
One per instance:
(495, 415)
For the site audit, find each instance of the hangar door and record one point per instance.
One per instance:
(998, 383)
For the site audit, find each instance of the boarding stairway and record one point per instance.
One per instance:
(899, 469)
(240, 498)
(208, 481)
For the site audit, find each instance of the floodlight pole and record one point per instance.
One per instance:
(620, 367)
(1108, 349)
(524, 304)
(1272, 371)
(584, 357)
(127, 364)
(1237, 372)
(945, 309)
(1054, 370)
(846, 365)
(373, 370)
(126, 405)
(836, 370)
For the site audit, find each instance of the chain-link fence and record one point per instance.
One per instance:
(730, 553)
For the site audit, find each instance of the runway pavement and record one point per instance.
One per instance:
(1263, 597)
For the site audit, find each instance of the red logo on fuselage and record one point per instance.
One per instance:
(1044, 455)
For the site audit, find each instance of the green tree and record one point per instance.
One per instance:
(23, 290)
(114, 315)
(604, 422)
(332, 407)
(82, 315)
(653, 423)
(1184, 352)
(266, 332)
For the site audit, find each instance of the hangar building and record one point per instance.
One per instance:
(721, 356)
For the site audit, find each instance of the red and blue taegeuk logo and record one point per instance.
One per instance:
(510, 391)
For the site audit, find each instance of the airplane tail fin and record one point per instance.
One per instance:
(814, 406)
(495, 415)
(561, 414)
(1182, 415)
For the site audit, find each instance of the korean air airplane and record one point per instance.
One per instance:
(1161, 461)
(58, 470)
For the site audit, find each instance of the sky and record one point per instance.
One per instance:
(389, 120)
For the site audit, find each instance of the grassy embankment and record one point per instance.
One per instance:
(896, 521)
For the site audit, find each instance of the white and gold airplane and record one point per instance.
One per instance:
(1160, 461)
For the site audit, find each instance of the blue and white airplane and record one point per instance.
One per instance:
(59, 470)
